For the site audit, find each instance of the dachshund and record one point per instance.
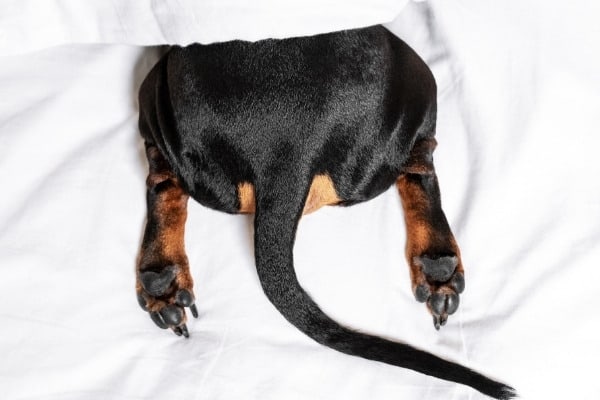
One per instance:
(280, 128)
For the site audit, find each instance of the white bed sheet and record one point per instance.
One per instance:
(519, 107)
(26, 25)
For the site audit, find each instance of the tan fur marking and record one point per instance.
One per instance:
(322, 193)
(247, 198)
(420, 161)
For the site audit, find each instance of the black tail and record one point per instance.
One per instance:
(278, 210)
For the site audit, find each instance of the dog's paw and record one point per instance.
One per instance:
(438, 281)
(165, 292)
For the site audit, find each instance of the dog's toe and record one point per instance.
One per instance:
(165, 293)
(437, 303)
(422, 292)
(437, 282)
(441, 305)
(172, 315)
(452, 301)
(158, 320)
(458, 282)
(184, 298)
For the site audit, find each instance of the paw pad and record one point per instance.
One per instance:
(439, 280)
(422, 293)
(161, 294)
(172, 315)
(458, 283)
(158, 283)
(437, 269)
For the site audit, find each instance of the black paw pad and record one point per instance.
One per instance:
(452, 304)
(157, 284)
(184, 298)
(458, 282)
(442, 305)
(437, 269)
(172, 315)
(422, 293)
(158, 320)
(437, 302)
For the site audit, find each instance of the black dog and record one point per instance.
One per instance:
(281, 128)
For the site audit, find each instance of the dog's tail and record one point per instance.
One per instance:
(279, 205)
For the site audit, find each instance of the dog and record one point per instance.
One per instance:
(280, 128)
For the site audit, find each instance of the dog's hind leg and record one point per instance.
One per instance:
(164, 284)
(436, 269)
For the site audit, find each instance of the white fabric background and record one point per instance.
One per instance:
(26, 25)
(519, 105)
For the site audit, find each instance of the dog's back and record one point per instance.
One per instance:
(348, 105)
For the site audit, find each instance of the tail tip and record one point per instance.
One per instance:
(506, 393)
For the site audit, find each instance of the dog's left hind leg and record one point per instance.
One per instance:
(164, 283)
(436, 269)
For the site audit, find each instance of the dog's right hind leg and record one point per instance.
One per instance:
(163, 281)
(436, 269)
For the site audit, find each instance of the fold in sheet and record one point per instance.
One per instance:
(28, 25)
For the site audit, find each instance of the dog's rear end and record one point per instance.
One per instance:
(280, 128)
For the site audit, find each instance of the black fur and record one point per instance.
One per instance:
(277, 112)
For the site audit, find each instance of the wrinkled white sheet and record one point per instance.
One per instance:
(26, 25)
(519, 110)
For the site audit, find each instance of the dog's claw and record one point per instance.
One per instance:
(436, 322)
(181, 331)
(439, 321)
(185, 298)
(194, 310)
(443, 319)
